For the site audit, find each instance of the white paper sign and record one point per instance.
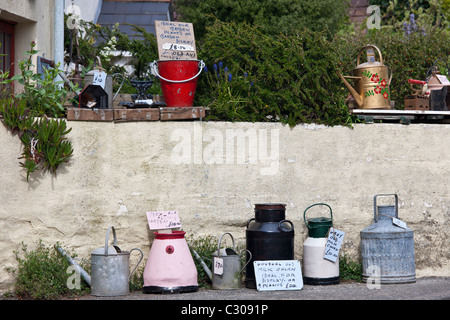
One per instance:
(218, 266)
(333, 245)
(273, 275)
(99, 79)
(399, 223)
(163, 220)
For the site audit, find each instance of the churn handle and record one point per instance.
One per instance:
(218, 246)
(107, 239)
(369, 46)
(283, 221)
(142, 255)
(375, 215)
(324, 204)
(250, 220)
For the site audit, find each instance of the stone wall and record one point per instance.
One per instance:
(119, 171)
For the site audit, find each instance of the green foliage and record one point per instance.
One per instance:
(205, 246)
(41, 274)
(42, 93)
(272, 16)
(44, 145)
(15, 114)
(349, 269)
(291, 79)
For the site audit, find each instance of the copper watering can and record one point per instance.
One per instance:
(372, 81)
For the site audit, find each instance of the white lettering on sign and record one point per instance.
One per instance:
(273, 275)
(333, 245)
(163, 220)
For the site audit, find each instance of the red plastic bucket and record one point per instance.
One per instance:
(178, 81)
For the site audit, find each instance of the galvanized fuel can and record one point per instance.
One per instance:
(269, 236)
(316, 269)
(387, 250)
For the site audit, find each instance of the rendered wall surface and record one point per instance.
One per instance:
(119, 171)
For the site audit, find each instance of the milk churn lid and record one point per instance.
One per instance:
(318, 227)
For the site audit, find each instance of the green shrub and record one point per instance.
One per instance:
(41, 274)
(349, 269)
(205, 246)
(292, 79)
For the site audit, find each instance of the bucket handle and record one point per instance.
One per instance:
(154, 71)
(375, 213)
(369, 46)
(107, 239)
(142, 255)
(317, 204)
(218, 246)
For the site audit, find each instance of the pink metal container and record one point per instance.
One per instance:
(170, 267)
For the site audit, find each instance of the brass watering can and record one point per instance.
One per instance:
(372, 81)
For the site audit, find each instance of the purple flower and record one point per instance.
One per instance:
(229, 77)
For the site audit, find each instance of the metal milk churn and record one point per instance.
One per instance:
(316, 269)
(227, 268)
(110, 273)
(372, 81)
(387, 250)
(268, 237)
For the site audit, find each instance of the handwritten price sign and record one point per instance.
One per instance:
(175, 40)
(334, 242)
(278, 275)
(158, 220)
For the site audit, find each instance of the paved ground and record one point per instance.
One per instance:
(432, 288)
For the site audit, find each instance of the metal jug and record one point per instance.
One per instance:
(170, 267)
(269, 237)
(230, 266)
(387, 250)
(372, 81)
(110, 273)
(316, 269)
(89, 79)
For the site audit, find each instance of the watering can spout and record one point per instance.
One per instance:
(82, 272)
(356, 95)
(205, 267)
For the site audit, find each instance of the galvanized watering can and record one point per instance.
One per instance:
(110, 273)
(227, 267)
(372, 81)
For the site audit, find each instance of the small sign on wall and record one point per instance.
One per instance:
(273, 275)
(175, 40)
(158, 220)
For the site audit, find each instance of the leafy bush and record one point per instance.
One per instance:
(272, 16)
(42, 93)
(205, 246)
(292, 79)
(41, 274)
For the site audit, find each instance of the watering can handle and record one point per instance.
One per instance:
(142, 255)
(250, 259)
(375, 214)
(370, 46)
(218, 246)
(107, 239)
(317, 204)
(154, 71)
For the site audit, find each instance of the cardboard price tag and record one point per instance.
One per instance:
(333, 245)
(399, 223)
(99, 79)
(218, 266)
(158, 220)
(175, 40)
